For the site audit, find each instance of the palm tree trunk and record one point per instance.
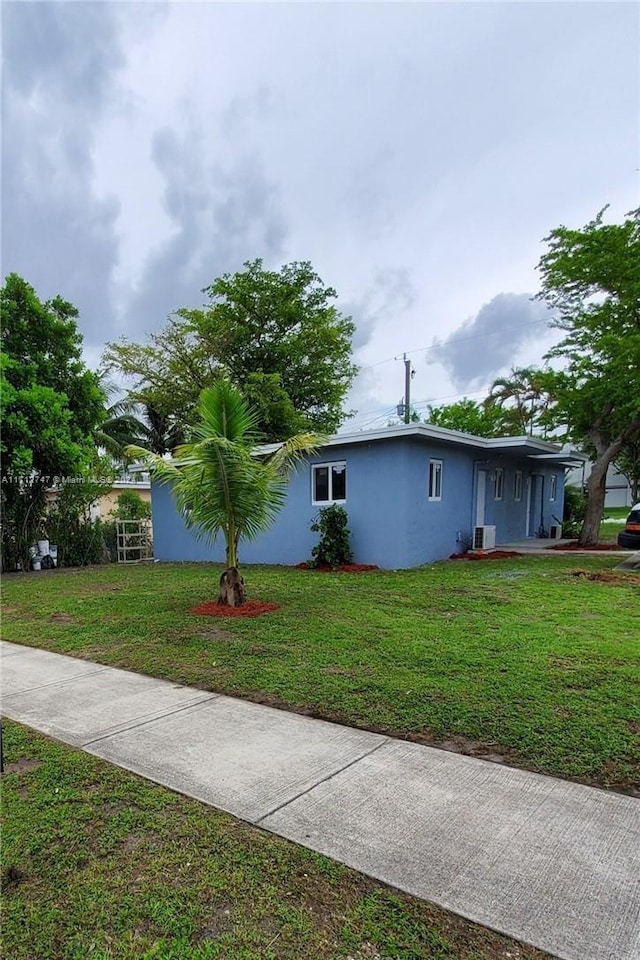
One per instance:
(232, 591)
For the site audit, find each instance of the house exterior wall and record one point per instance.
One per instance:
(393, 522)
(516, 520)
(375, 506)
(107, 503)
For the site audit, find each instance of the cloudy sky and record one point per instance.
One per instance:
(416, 153)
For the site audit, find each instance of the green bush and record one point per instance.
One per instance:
(334, 548)
(23, 506)
(110, 539)
(131, 506)
(79, 539)
(575, 505)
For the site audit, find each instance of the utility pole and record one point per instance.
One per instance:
(407, 389)
(403, 409)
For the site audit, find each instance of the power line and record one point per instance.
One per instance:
(379, 413)
(435, 346)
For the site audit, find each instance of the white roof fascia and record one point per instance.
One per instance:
(524, 441)
(131, 484)
(567, 455)
(428, 431)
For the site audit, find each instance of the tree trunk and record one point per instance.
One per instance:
(596, 490)
(597, 482)
(232, 592)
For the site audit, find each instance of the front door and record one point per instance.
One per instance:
(536, 505)
(481, 497)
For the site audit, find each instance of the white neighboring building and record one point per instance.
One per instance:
(618, 488)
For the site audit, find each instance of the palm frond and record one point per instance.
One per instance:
(294, 451)
(219, 480)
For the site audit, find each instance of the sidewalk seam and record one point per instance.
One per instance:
(143, 721)
(329, 776)
(56, 683)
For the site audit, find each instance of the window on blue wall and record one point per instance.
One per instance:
(553, 487)
(435, 479)
(498, 483)
(329, 483)
(517, 485)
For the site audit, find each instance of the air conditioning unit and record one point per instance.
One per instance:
(484, 538)
(555, 532)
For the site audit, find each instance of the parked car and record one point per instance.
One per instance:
(630, 536)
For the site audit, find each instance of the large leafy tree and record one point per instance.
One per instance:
(591, 281)
(277, 335)
(223, 481)
(50, 404)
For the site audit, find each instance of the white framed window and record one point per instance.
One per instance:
(498, 483)
(435, 479)
(329, 483)
(517, 485)
(553, 487)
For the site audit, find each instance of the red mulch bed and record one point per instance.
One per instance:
(495, 555)
(343, 568)
(252, 608)
(574, 545)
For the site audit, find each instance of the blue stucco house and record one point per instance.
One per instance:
(414, 494)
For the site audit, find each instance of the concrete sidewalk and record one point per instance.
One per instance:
(551, 863)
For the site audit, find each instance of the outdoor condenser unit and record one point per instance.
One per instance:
(484, 538)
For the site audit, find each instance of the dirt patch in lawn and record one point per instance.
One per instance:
(23, 765)
(606, 576)
(252, 608)
(343, 568)
(494, 555)
(574, 545)
(62, 618)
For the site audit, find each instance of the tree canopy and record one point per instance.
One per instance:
(50, 407)
(591, 280)
(276, 335)
(470, 416)
(51, 403)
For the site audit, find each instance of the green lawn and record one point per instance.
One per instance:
(619, 513)
(518, 659)
(98, 864)
(613, 522)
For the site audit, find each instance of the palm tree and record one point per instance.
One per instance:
(224, 482)
(524, 395)
(121, 426)
(134, 421)
(158, 432)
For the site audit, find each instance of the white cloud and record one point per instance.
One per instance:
(419, 147)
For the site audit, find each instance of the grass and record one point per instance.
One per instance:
(613, 522)
(518, 659)
(98, 863)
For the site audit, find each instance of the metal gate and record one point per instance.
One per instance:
(135, 541)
